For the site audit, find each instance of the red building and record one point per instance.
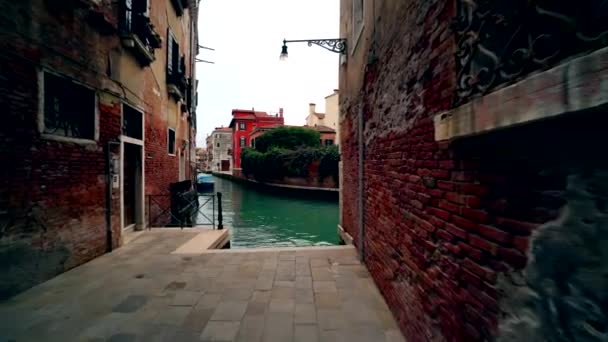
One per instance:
(243, 123)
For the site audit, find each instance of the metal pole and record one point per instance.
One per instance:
(360, 189)
(220, 225)
(213, 212)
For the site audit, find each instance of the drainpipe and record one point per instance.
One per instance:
(360, 219)
(109, 174)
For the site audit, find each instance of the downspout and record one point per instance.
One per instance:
(109, 174)
(360, 219)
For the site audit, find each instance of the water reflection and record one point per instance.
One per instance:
(259, 219)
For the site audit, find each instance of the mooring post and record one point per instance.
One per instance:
(220, 225)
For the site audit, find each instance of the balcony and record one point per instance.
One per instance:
(179, 6)
(138, 35)
(177, 85)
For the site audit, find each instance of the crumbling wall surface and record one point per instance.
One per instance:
(562, 294)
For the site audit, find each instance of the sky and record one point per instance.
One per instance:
(247, 37)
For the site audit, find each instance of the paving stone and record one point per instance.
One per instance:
(229, 311)
(303, 282)
(330, 319)
(322, 274)
(282, 293)
(393, 336)
(333, 336)
(122, 337)
(251, 329)
(186, 298)
(327, 301)
(319, 262)
(220, 331)
(278, 283)
(359, 312)
(264, 283)
(173, 315)
(261, 296)
(324, 286)
(210, 300)
(282, 305)
(306, 333)
(175, 285)
(256, 308)
(236, 294)
(278, 328)
(305, 314)
(197, 319)
(304, 296)
(131, 304)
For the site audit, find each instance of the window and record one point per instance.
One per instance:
(171, 141)
(241, 126)
(131, 122)
(218, 144)
(329, 142)
(132, 12)
(173, 59)
(242, 142)
(357, 21)
(69, 108)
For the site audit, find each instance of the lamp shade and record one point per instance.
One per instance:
(284, 54)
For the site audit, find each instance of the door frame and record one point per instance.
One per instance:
(140, 207)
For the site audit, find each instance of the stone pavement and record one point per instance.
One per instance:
(142, 292)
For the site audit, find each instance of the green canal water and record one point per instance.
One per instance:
(261, 219)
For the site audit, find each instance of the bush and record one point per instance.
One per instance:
(291, 138)
(278, 163)
(329, 163)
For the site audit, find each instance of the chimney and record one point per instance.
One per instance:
(280, 112)
(312, 108)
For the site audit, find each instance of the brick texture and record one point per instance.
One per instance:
(53, 193)
(443, 220)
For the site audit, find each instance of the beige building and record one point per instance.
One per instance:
(330, 117)
(219, 150)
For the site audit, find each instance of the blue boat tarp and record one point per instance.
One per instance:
(204, 178)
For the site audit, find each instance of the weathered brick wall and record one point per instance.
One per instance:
(53, 192)
(448, 226)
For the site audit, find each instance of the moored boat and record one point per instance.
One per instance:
(204, 182)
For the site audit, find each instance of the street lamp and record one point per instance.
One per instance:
(337, 45)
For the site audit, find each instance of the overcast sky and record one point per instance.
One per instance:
(247, 37)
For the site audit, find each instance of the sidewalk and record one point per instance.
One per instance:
(143, 292)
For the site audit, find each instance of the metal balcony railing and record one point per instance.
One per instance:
(501, 42)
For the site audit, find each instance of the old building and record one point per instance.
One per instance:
(243, 123)
(99, 103)
(219, 145)
(474, 182)
(331, 115)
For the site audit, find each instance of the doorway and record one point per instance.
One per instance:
(225, 165)
(132, 182)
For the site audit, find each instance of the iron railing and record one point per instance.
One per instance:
(189, 209)
(502, 41)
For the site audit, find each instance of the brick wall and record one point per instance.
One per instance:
(448, 226)
(53, 192)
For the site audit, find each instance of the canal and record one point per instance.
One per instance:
(262, 219)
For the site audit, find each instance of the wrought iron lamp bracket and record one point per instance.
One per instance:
(337, 45)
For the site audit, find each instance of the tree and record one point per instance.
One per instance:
(291, 138)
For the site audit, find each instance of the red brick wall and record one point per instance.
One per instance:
(442, 221)
(54, 192)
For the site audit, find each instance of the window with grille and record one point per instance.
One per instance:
(173, 58)
(132, 125)
(358, 17)
(242, 142)
(69, 108)
(171, 141)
